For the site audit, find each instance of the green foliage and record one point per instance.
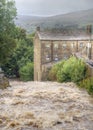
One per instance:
(88, 71)
(6, 47)
(7, 26)
(22, 54)
(19, 33)
(72, 69)
(26, 72)
(11, 68)
(7, 15)
(87, 84)
(16, 48)
(63, 74)
(54, 70)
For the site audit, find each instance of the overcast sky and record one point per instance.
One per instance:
(51, 7)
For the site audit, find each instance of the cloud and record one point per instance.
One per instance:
(51, 7)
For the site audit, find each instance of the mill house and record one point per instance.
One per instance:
(52, 46)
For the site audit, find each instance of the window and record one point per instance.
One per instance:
(47, 57)
(47, 45)
(89, 45)
(64, 45)
(65, 56)
(72, 45)
(56, 57)
(56, 46)
(81, 45)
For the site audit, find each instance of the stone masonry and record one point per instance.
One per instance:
(51, 47)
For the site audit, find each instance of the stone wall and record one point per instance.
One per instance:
(57, 50)
(92, 50)
(37, 59)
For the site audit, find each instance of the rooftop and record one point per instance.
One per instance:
(64, 35)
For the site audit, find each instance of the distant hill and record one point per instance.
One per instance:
(29, 22)
(74, 19)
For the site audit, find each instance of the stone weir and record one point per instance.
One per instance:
(4, 83)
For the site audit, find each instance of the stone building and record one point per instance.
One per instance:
(52, 46)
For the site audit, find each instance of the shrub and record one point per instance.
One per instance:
(79, 71)
(87, 84)
(26, 72)
(54, 70)
(88, 72)
(63, 74)
(72, 69)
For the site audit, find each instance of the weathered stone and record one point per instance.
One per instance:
(51, 47)
(4, 83)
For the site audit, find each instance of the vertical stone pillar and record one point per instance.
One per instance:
(51, 50)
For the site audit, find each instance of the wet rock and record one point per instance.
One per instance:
(28, 115)
(75, 118)
(13, 124)
(68, 119)
(4, 83)
(1, 121)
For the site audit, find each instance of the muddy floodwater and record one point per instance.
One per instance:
(45, 106)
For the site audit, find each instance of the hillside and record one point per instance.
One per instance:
(45, 106)
(29, 22)
(75, 19)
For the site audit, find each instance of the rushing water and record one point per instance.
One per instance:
(45, 106)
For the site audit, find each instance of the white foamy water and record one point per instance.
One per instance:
(45, 106)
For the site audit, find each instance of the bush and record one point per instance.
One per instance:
(88, 72)
(26, 72)
(72, 69)
(54, 70)
(87, 84)
(63, 73)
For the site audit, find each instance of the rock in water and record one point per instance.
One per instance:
(4, 83)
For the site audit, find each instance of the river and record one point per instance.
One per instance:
(45, 106)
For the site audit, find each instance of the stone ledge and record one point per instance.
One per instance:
(4, 83)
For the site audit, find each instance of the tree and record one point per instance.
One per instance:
(22, 54)
(7, 27)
